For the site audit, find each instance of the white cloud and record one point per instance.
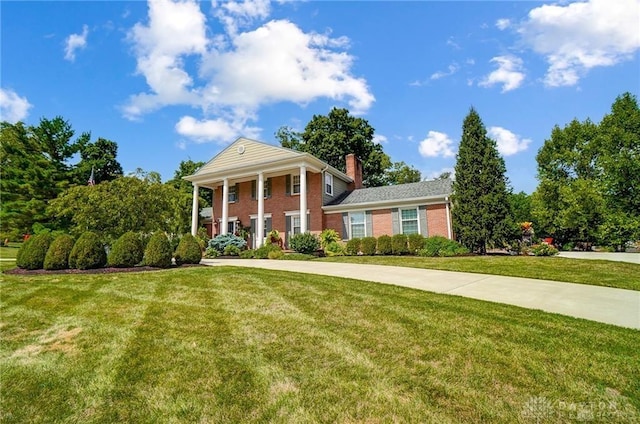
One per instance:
(508, 142)
(239, 71)
(436, 144)
(509, 73)
(503, 24)
(13, 108)
(380, 139)
(75, 42)
(451, 69)
(432, 175)
(218, 129)
(579, 36)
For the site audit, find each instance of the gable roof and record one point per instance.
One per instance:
(422, 190)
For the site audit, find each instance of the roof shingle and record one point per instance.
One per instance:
(422, 189)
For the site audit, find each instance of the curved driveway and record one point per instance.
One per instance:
(603, 304)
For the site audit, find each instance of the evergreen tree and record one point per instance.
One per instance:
(481, 213)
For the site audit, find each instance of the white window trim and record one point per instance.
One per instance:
(235, 195)
(364, 214)
(417, 209)
(293, 193)
(233, 219)
(329, 192)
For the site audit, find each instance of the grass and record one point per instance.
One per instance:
(582, 271)
(9, 252)
(228, 344)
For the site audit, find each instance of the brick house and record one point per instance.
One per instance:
(295, 184)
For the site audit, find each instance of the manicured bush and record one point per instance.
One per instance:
(384, 245)
(158, 252)
(304, 243)
(263, 251)
(231, 250)
(212, 253)
(442, 246)
(399, 244)
(368, 246)
(126, 252)
(221, 241)
(203, 238)
(335, 248)
(544, 250)
(58, 254)
(328, 236)
(88, 252)
(33, 251)
(353, 246)
(188, 251)
(276, 254)
(416, 243)
(247, 254)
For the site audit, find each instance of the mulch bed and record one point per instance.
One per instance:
(107, 270)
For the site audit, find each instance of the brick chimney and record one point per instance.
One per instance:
(354, 171)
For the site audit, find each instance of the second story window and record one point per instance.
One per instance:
(233, 194)
(328, 184)
(295, 184)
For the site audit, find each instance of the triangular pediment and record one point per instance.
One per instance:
(245, 152)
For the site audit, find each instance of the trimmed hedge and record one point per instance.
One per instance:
(33, 252)
(304, 243)
(58, 254)
(399, 244)
(158, 252)
(88, 252)
(353, 246)
(368, 246)
(416, 243)
(188, 251)
(127, 251)
(384, 245)
(442, 246)
(262, 252)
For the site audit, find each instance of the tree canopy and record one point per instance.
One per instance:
(480, 212)
(331, 137)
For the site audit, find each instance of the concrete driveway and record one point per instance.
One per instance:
(603, 304)
(633, 258)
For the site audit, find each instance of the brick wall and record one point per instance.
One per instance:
(334, 221)
(437, 220)
(381, 222)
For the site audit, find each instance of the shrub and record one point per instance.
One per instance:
(58, 254)
(33, 251)
(353, 246)
(328, 236)
(399, 244)
(88, 252)
(246, 254)
(127, 251)
(211, 253)
(188, 251)
(231, 250)
(368, 246)
(544, 250)
(304, 243)
(335, 248)
(263, 251)
(221, 241)
(158, 252)
(276, 254)
(384, 245)
(442, 246)
(416, 242)
(203, 238)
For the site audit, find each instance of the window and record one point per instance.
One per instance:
(266, 189)
(232, 225)
(233, 197)
(295, 224)
(295, 184)
(357, 225)
(409, 221)
(328, 184)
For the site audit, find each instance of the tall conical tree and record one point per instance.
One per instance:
(481, 214)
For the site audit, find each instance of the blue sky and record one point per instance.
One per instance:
(170, 81)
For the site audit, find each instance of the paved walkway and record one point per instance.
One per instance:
(603, 304)
(633, 258)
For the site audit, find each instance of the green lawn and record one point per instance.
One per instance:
(230, 344)
(10, 252)
(594, 272)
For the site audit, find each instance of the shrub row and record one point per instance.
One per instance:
(88, 252)
(400, 244)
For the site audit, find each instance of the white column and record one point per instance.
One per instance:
(449, 232)
(194, 210)
(303, 199)
(225, 206)
(260, 222)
